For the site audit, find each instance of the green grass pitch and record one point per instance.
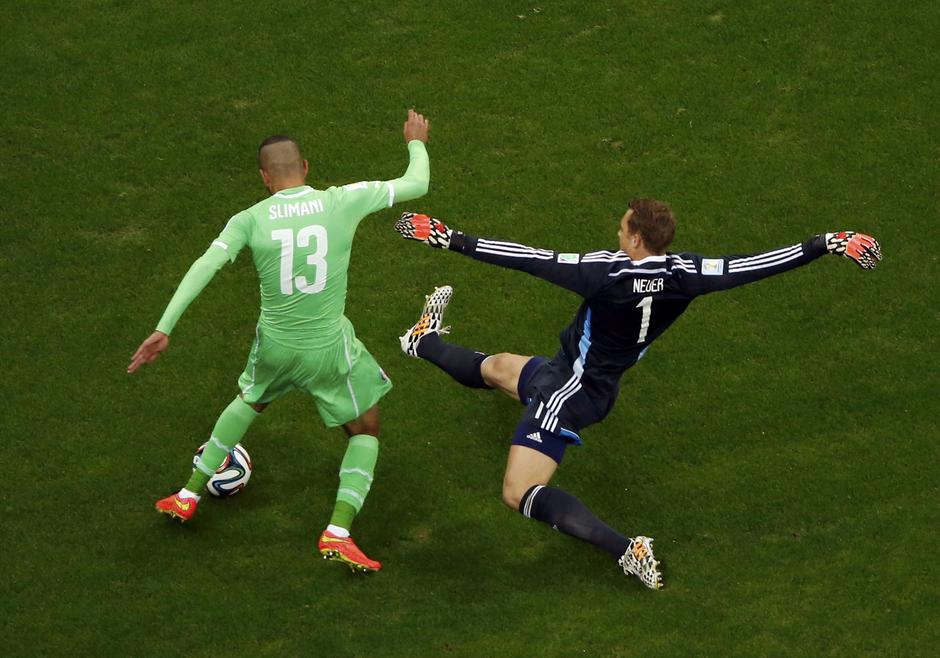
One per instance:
(780, 441)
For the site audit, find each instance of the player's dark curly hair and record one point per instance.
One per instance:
(654, 222)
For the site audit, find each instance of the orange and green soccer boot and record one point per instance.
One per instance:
(344, 549)
(179, 508)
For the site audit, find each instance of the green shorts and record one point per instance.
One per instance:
(343, 378)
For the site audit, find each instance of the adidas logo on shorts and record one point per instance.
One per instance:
(535, 436)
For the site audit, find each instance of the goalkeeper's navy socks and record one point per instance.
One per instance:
(566, 513)
(459, 362)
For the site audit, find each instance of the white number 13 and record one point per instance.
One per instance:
(317, 259)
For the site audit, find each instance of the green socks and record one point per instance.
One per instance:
(355, 473)
(355, 478)
(228, 431)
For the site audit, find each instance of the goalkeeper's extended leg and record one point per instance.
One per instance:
(229, 429)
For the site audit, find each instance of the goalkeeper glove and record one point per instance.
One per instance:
(861, 248)
(424, 228)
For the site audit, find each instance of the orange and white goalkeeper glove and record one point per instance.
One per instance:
(424, 228)
(861, 248)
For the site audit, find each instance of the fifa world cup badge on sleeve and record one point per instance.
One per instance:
(713, 266)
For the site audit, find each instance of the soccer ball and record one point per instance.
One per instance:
(232, 476)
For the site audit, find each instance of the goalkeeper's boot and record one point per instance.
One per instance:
(639, 561)
(177, 507)
(431, 320)
(344, 549)
(424, 228)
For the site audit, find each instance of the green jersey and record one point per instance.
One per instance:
(300, 240)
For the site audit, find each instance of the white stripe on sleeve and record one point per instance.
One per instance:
(500, 244)
(750, 260)
(513, 253)
(759, 266)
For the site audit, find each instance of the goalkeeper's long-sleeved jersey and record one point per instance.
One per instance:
(628, 304)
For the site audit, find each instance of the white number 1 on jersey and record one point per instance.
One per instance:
(317, 259)
(647, 305)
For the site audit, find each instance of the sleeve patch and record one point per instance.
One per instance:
(713, 266)
(352, 187)
(569, 259)
(219, 243)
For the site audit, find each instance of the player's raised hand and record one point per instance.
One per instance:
(424, 228)
(416, 127)
(861, 248)
(149, 350)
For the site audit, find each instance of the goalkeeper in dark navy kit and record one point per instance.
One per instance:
(631, 297)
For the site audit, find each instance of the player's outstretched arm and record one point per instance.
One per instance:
(416, 179)
(366, 197)
(149, 350)
(705, 275)
(861, 248)
(565, 270)
(416, 127)
(198, 276)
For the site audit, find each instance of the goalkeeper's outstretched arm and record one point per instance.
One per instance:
(713, 274)
(586, 276)
(563, 269)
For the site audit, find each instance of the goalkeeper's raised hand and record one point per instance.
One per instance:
(424, 228)
(861, 248)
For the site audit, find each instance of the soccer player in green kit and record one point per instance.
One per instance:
(300, 239)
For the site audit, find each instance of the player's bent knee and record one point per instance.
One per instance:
(502, 370)
(367, 423)
(257, 406)
(493, 368)
(512, 494)
(511, 499)
(372, 429)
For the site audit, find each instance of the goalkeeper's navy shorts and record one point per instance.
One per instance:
(557, 407)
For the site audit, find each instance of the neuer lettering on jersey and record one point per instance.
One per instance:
(647, 285)
(282, 211)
